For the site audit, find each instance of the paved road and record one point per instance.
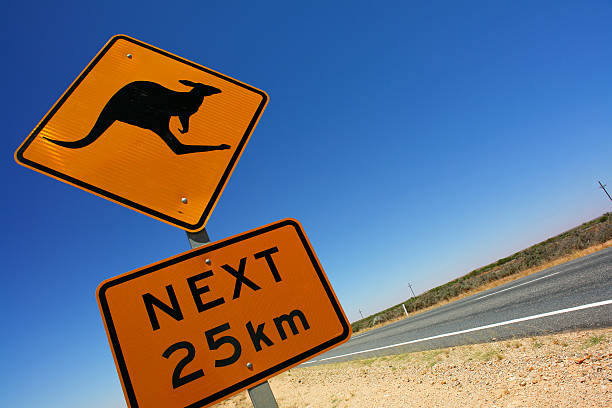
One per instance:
(574, 295)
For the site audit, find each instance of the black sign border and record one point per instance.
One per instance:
(19, 155)
(218, 396)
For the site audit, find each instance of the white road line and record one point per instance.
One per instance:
(516, 286)
(481, 297)
(488, 326)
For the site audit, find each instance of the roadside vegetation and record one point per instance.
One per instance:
(590, 234)
(571, 369)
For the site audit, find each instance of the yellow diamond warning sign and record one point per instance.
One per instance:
(149, 130)
(198, 327)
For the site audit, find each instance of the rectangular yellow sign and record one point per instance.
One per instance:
(149, 130)
(196, 328)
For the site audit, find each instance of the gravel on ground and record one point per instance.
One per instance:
(562, 370)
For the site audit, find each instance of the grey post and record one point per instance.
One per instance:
(410, 286)
(261, 395)
(603, 187)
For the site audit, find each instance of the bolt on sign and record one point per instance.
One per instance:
(196, 328)
(149, 130)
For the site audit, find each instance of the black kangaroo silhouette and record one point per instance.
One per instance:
(150, 106)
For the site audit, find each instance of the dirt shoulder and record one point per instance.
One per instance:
(562, 370)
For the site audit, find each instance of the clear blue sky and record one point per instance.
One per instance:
(415, 141)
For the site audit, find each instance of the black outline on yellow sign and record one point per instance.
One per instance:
(19, 155)
(114, 340)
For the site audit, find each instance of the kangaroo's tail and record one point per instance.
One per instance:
(73, 144)
(101, 125)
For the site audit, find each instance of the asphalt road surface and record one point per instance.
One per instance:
(574, 295)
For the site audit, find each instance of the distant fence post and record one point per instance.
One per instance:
(405, 311)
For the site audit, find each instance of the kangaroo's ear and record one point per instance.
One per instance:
(187, 82)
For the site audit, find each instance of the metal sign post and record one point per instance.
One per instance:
(119, 132)
(261, 395)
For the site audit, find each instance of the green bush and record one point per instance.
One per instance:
(596, 231)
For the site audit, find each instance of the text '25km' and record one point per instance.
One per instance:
(255, 331)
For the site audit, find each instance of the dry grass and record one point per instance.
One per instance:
(587, 237)
(499, 282)
(566, 370)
